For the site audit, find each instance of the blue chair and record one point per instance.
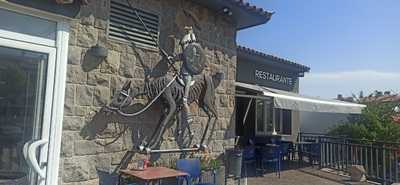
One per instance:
(314, 153)
(287, 150)
(249, 157)
(272, 155)
(193, 168)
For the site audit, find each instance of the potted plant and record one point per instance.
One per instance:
(213, 170)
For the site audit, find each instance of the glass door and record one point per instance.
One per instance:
(26, 86)
(264, 117)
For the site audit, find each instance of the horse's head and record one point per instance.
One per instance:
(122, 98)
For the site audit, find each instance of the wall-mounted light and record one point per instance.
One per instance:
(94, 57)
(98, 51)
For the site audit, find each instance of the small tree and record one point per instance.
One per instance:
(374, 123)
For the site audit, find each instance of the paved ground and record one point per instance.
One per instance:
(291, 177)
(294, 175)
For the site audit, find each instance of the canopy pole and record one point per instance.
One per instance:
(247, 111)
(274, 122)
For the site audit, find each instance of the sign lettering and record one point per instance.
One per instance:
(274, 77)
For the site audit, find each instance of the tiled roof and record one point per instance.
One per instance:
(275, 58)
(243, 13)
(251, 8)
(383, 98)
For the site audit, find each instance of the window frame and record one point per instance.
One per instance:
(59, 48)
(275, 126)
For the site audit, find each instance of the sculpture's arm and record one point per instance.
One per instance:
(175, 57)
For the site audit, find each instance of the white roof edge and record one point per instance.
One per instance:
(329, 102)
(297, 97)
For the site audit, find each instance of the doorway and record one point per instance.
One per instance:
(23, 118)
(32, 83)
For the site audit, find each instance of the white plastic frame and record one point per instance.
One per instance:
(55, 84)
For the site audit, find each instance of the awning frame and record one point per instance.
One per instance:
(293, 101)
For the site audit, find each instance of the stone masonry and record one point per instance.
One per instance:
(90, 86)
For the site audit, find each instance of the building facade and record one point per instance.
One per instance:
(257, 118)
(70, 57)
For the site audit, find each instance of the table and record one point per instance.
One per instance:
(152, 174)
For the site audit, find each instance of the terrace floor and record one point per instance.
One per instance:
(294, 175)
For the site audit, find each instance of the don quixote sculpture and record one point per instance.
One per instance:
(176, 92)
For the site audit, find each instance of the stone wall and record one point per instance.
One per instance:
(90, 86)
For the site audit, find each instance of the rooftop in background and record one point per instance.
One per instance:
(376, 97)
(248, 52)
(243, 13)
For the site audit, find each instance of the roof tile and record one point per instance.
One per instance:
(261, 54)
(253, 9)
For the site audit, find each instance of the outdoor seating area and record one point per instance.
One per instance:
(188, 171)
(272, 156)
(275, 159)
(338, 160)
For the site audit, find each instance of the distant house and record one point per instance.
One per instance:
(377, 97)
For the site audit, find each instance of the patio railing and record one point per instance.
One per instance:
(380, 159)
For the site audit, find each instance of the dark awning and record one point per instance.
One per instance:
(293, 101)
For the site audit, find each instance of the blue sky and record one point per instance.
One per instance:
(350, 45)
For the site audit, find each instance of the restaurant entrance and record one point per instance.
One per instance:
(32, 81)
(24, 118)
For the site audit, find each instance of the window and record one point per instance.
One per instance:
(260, 116)
(264, 117)
(268, 117)
(283, 121)
(125, 25)
(18, 23)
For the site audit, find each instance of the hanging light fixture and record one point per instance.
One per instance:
(99, 51)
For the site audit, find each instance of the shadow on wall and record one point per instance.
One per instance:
(107, 127)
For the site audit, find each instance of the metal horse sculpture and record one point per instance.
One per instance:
(170, 91)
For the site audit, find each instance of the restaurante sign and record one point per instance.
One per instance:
(278, 78)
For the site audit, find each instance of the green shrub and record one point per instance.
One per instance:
(375, 123)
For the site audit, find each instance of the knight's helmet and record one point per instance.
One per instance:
(188, 38)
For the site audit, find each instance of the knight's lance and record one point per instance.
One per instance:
(163, 52)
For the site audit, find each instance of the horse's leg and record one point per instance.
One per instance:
(155, 130)
(211, 112)
(172, 108)
(178, 124)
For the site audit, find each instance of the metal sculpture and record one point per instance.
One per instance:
(193, 63)
(171, 93)
(177, 92)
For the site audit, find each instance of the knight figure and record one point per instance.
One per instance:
(193, 63)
